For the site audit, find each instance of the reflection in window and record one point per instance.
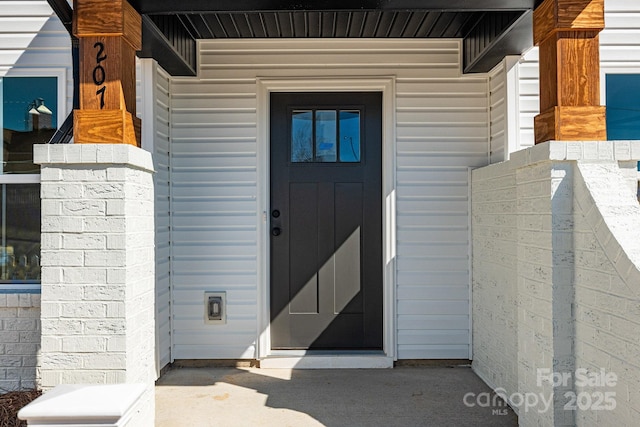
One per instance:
(28, 116)
(325, 136)
(623, 107)
(20, 227)
(349, 136)
(301, 136)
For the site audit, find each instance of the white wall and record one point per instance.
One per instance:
(153, 101)
(556, 270)
(441, 131)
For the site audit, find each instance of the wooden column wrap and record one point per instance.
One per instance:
(567, 34)
(110, 33)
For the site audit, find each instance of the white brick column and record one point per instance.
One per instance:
(97, 265)
(545, 285)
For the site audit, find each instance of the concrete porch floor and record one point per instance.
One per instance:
(404, 396)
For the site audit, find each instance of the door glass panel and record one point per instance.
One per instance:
(302, 136)
(349, 136)
(326, 144)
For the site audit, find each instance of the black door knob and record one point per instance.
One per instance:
(275, 213)
(276, 231)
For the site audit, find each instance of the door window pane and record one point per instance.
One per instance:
(302, 136)
(20, 240)
(325, 136)
(28, 116)
(349, 136)
(326, 144)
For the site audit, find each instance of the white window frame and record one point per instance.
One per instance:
(61, 75)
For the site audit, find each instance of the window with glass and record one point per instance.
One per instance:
(325, 136)
(28, 116)
(623, 107)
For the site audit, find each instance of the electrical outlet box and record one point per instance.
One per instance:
(215, 308)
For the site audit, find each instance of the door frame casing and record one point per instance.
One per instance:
(386, 85)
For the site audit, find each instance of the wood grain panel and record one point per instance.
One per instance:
(544, 20)
(108, 18)
(567, 33)
(571, 124)
(571, 76)
(109, 33)
(105, 127)
(561, 15)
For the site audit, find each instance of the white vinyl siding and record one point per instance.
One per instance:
(619, 53)
(33, 38)
(441, 131)
(498, 113)
(158, 94)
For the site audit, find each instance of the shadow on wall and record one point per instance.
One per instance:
(403, 396)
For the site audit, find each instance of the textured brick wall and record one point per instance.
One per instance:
(98, 266)
(19, 340)
(555, 277)
(495, 256)
(607, 287)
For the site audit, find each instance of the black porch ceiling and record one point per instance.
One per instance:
(490, 29)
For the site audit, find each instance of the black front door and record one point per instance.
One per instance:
(326, 221)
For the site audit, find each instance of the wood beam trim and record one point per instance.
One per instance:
(108, 38)
(108, 18)
(554, 16)
(567, 33)
(571, 124)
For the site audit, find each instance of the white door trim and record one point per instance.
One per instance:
(386, 85)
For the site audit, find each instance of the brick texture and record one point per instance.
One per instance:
(19, 340)
(556, 284)
(97, 265)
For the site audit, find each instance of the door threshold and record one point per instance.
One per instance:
(327, 360)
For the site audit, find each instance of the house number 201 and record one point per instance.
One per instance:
(99, 75)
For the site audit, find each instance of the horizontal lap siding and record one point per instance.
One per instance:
(619, 53)
(441, 131)
(162, 177)
(498, 111)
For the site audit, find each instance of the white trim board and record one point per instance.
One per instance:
(386, 85)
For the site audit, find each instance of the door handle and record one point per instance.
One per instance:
(275, 231)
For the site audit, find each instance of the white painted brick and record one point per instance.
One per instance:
(104, 225)
(622, 150)
(62, 258)
(103, 191)
(84, 241)
(89, 276)
(53, 224)
(89, 153)
(115, 207)
(83, 207)
(101, 361)
(96, 291)
(105, 258)
(104, 153)
(54, 190)
(88, 310)
(116, 174)
(84, 344)
(13, 300)
(83, 175)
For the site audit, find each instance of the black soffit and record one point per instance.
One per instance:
(490, 29)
